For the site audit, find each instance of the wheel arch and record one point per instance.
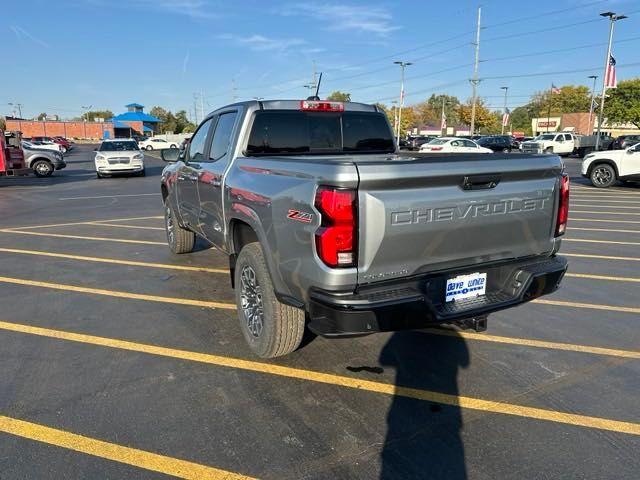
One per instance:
(606, 161)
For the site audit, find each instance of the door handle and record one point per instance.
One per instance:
(215, 182)
(480, 182)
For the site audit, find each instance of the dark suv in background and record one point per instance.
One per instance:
(624, 141)
(498, 143)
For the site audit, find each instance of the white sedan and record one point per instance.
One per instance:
(453, 145)
(43, 145)
(156, 144)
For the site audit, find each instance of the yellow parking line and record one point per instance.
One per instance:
(29, 227)
(114, 261)
(602, 257)
(81, 237)
(112, 451)
(604, 230)
(593, 306)
(603, 277)
(605, 206)
(118, 225)
(601, 220)
(601, 213)
(119, 294)
(598, 241)
(339, 380)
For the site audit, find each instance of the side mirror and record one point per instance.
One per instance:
(170, 154)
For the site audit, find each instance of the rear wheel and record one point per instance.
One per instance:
(270, 327)
(180, 239)
(603, 175)
(42, 168)
(173, 145)
(149, 147)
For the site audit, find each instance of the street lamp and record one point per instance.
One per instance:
(593, 93)
(613, 18)
(504, 112)
(403, 65)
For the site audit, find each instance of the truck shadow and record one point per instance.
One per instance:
(423, 439)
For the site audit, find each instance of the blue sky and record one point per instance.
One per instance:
(107, 53)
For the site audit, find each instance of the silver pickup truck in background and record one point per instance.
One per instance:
(328, 228)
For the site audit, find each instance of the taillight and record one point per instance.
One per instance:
(336, 240)
(563, 206)
(435, 148)
(321, 106)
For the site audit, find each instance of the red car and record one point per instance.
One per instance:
(63, 142)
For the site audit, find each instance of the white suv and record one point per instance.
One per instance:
(119, 156)
(606, 167)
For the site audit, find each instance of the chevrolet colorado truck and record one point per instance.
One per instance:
(328, 228)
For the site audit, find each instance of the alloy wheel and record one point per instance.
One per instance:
(251, 300)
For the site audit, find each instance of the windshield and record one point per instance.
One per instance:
(547, 136)
(127, 145)
(290, 132)
(438, 141)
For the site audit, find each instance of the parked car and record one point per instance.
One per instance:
(564, 143)
(42, 162)
(42, 145)
(64, 144)
(498, 143)
(416, 142)
(624, 141)
(327, 228)
(453, 145)
(605, 168)
(156, 144)
(119, 156)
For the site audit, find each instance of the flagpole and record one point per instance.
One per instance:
(612, 19)
(549, 107)
(593, 94)
(442, 126)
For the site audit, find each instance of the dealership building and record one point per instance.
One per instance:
(579, 123)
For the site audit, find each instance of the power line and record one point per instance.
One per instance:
(544, 14)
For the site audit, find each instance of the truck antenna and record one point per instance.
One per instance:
(316, 97)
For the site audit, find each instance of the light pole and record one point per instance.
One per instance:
(613, 18)
(593, 94)
(504, 112)
(403, 65)
(18, 106)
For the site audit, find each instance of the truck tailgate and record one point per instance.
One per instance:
(425, 214)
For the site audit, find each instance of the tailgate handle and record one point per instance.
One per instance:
(480, 182)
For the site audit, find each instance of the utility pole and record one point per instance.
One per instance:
(474, 80)
(201, 104)
(18, 106)
(195, 107)
(234, 96)
(504, 112)
(394, 104)
(593, 94)
(443, 126)
(403, 65)
(613, 18)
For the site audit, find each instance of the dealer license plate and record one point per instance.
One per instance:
(466, 286)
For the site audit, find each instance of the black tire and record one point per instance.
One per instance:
(42, 168)
(602, 175)
(142, 173)
(282, 326)
(98, 175)
(548, 150)
(506, 150)
(173, 145)
(180, 239)
(148, 148)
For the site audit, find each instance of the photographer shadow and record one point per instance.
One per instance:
(423, 439)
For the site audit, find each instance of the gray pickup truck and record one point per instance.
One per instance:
(328, 228)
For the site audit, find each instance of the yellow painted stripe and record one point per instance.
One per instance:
(119, 294)
(26, 227)
(601, 220)
(118, 225)
(584, 240)
(605, 206)
(82, 237)
(114, 261)
(601, 213)
(526, 342)
(604, 230)
(603, 277)
(602, 257)
(593, 306)
(112, 451)
(341, 381)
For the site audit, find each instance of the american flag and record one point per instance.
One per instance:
(443, 121)
(610, 80)
(505, 117)
(555, 89)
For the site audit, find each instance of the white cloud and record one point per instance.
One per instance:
(21, 33)
(195, 9)
(338, 17)
(260, 43)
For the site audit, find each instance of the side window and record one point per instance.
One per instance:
(469, 144)
(222, 136)
(567, 136)
(196, 146)
(455, 143)
(559, 138)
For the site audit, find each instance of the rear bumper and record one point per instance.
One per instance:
(419, 303)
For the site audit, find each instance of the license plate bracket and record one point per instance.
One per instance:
(465, 286)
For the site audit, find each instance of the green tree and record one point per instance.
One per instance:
(623, 103)
(520, 118)
(572, 98)
(167, 119)
(183, 125)
(485, 120)
(430, 111)
(91, 115)
(42, 116)
(339, 96)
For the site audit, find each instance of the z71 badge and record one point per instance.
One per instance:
(299, 216)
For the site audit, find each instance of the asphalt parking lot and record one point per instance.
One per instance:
(121, 360)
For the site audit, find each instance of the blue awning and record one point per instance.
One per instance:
(117, 124)
(147, 129)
